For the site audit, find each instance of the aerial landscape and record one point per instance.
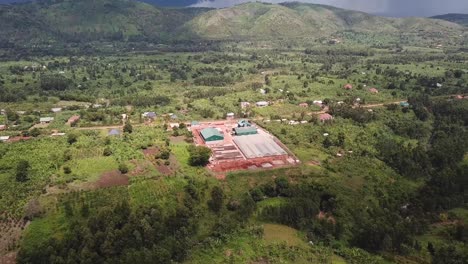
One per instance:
(246, 132)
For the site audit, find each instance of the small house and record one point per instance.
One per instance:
(404, 104)
(304, 105)
(244, 105)
(325, 117)
(230, 115)
(72, 120)
(348, 86)
(56, 110)
(114, 132)
(318, 102)
(262, 104)
(46, 120)
(4, 138)
(3, 127)
(211, 134)
(243, 123)
(244, 131)
(174, 125)
(374, 90)
(149, 115)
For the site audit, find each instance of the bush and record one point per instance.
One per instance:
(72, 138)
(107, 151)
(22, 171)
(123, 168)
(199, 155)
(67, 170)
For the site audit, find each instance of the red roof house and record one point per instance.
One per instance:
(305, 105)
(348, 86)
(73, 119)
(325, 117)
(374, 90)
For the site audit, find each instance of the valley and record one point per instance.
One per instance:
(260, 133)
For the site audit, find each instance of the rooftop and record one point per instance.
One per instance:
(210, 132)
(259, 145)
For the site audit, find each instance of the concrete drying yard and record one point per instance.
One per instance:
(246, 152)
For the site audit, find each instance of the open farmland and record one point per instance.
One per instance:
(289, 133)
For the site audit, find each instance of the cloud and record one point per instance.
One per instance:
(386, 7)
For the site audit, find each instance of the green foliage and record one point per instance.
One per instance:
(123, 168)
(217, 199)
(199, 155)
(128, 128)
(22, 171)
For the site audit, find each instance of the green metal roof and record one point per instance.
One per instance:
(210, 132)
(246, 130)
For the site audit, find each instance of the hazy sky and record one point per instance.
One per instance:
(388, 7)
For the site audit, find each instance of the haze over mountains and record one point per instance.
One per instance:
(125, 20)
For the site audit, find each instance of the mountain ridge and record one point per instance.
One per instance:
(461, 19)
(71, 21)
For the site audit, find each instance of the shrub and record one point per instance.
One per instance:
(67, 170)
(123, 168)
(199, 155)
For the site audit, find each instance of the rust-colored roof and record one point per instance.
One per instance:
(325, 117)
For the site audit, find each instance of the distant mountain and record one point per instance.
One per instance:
(461, 19)
(162, 3)
(266, 21)
(71, 21)
(89, 20)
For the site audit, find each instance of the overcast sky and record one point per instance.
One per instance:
(387, 7)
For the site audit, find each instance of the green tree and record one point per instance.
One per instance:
(35, 132)
(123, 168)
(199, 155)
(128, 128)
(217, 199)
(22, 171)
(72, 138)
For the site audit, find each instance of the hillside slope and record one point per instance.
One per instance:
(461, 19)
(265, 21)
(71, 21)
(90, 20)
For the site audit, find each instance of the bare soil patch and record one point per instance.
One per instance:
(179, 139)
(111, 179)
(8, 258)
(151, 152)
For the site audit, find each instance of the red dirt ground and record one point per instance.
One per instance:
(151, 152)
(111, 179)
(221, 166)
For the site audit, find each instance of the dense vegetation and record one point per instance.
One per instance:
(115, 176)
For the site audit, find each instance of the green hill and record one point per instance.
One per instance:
(266, 21)
(461, 19)
(69, 21)
(90, 20)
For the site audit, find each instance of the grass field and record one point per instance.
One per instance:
(274, 233)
